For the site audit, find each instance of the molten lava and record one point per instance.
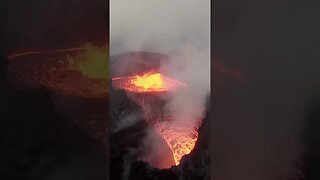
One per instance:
(149, 81)
(180, 133)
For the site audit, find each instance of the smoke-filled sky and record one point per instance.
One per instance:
(161, 26)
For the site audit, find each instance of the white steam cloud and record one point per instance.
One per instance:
(178, 28)
(162, 26)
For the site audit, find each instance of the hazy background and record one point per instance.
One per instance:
(38, 142)
(161, 26)
(258, 127)
(38, 24)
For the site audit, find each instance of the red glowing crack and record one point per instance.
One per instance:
(180, 133)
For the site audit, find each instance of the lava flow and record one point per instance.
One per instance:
(180, 133)
(148, 82)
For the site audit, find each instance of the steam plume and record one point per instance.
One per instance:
(180, 29)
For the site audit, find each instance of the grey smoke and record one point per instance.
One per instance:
(161, 26)
(180, 29)
(154, 151)
(126, 120)
(127, 160)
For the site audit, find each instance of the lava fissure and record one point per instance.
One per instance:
(180, 133)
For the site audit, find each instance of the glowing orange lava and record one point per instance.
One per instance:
(149, 81)
(180, 133)
(180, 136)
